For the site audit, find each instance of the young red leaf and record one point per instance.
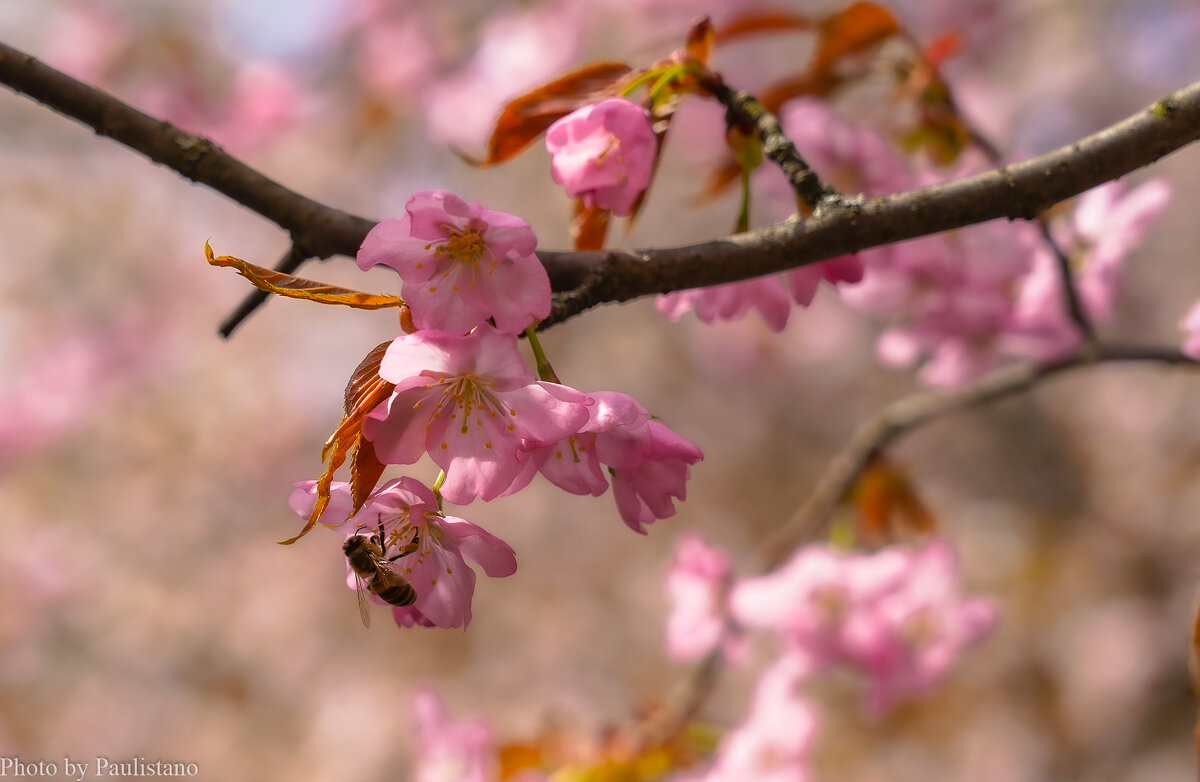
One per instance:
(760, 22)
(364, 376)
(589, 226)
(365, 471)
(852, 30)
(887, 506)
(700, 39)
(271, 281)
(365, 391)
(527, 116)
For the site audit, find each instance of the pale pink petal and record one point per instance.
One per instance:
(480, 546)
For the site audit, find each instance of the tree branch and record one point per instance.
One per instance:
(913, 411)
(1018, 191)
(586, 279)
(321, 230)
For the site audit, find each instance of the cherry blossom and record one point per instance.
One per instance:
(604, 153)
(450, 750)
(472, 404)
(1105, 226)
(918, 630)
(897, 616)
(405, 512)
(696, 584)
(1191, 328)
(648, 463)
(768, 295)
(650, 468)
(461, 264)
(774, 742)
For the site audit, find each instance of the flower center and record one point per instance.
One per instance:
(473, 399)
(465, 245)
(611, 146)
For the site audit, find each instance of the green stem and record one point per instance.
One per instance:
(668, 75)
(437, 488)
(637, 83)
(544, 370)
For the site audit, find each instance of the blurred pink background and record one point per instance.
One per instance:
(145, 608)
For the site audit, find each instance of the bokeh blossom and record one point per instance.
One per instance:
(461, 264)
(1190, 325)
(853, 159)
(896, 616)
(767, 294)
(402, 511)
(1106, 224)
(472, 404)
(696, 585)
(603, 153)
(774, 742)
(450, 750)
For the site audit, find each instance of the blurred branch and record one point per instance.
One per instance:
(290, 261)
(869, 439)
(1071, 298)
(586, 279)
(322, 230)
(913, 411)
(1018, 191)
(1072, 301)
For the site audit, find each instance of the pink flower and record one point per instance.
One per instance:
(603, 153)
(855, 159)
(574, 464)
(461, 264)
(647, 461)
(696, 585)
(1191, 327)
(813, 601)
(852, 158)
(920, 629)
(649, 466)
(766, 294)
(450, 750)
(774, 742)
(803, 282)
(404, 511)
(897, 616)
(471, 403)
(1106, 225)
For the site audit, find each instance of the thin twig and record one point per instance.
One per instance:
(1072, 301)
(290, 261)
(911, 412)
(1070, 288)
(897, 419)
(742, 108)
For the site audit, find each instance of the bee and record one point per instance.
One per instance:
(374, 572)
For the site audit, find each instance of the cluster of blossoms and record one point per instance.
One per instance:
(462, 394)
(896, 616)
(961, 302)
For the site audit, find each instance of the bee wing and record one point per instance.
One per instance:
(364, 603)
